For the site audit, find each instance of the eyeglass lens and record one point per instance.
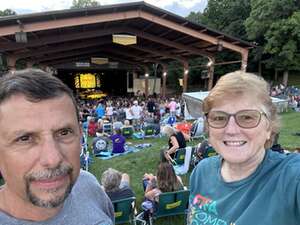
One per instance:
(243, 118)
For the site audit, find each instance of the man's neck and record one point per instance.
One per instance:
(19, 208)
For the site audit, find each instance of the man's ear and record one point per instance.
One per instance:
(80, 130)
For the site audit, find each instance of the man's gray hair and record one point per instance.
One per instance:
(36, 85)
(111, 180)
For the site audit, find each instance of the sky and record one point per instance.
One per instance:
(179, 7)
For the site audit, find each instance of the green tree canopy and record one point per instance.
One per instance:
(78, 4)
(227, 16)
(275, 25)
(7, 12)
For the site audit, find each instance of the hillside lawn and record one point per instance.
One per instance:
(146, 161)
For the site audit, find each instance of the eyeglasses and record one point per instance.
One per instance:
(244, 118)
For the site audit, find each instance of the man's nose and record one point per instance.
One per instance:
(51, 154)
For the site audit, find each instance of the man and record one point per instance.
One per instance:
(136, 111)
(39, 156)
(116, 184)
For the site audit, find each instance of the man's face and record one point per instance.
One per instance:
(39, 150)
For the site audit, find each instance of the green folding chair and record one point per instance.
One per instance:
(127, 132)
(179, 156)
(149, 131)
(171, 204)
(125, 210)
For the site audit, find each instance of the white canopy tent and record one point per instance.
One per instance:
(193, 104)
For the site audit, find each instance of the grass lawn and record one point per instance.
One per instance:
(136, 164)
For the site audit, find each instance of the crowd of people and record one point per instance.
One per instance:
(290, 93)
(41, 129)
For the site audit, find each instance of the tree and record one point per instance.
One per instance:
(275, 25)
(7, 12)
(79, 4)
(227, 16)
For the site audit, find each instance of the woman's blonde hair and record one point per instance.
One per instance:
(240, 83)
(168, 130)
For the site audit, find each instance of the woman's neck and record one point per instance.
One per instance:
(237, 171)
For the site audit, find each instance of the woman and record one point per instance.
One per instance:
(246, 184)
(177, 139)
(164, 181)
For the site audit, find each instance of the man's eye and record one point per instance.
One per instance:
(65, 132)
(24, 138)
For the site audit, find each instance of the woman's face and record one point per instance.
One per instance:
(240, 146)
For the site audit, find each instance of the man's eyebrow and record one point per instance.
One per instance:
(22, 132)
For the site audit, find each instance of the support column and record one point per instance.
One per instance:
(29, 64)
(146, 81)
(164, 77)
(244, 60)
(11, 62)
(185, 75)
(43, 67)
(210, 71)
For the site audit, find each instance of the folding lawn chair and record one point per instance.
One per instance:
(125, 210)
(149, 131)
(171, 204)
(107, 128)
(183, 160)
(127, 132)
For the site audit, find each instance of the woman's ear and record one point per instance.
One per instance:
(206, 128)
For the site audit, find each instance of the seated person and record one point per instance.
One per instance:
(165, 181)
(92, 127)
(177, 139)
(99, 130)
(117, 125)
(204, 150)
(116, 184)
(118, 141)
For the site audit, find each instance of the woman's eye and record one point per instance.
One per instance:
(219, 118)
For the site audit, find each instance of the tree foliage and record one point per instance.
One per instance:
(79, 4)
(275, 25)
(7, 12)
(227, 16)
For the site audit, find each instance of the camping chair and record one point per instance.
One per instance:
(183, 160)
(127, 132)
(107, 128)
(125, 210)
(149, 131)
(171, 204)
(179, 156)
(197, 129)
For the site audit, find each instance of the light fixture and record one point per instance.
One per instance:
(21, 37)
(146, 74)
(124, 39)
(186, 71)
(99, 61)
(165, 74)
(180, 82)
(209, 64)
